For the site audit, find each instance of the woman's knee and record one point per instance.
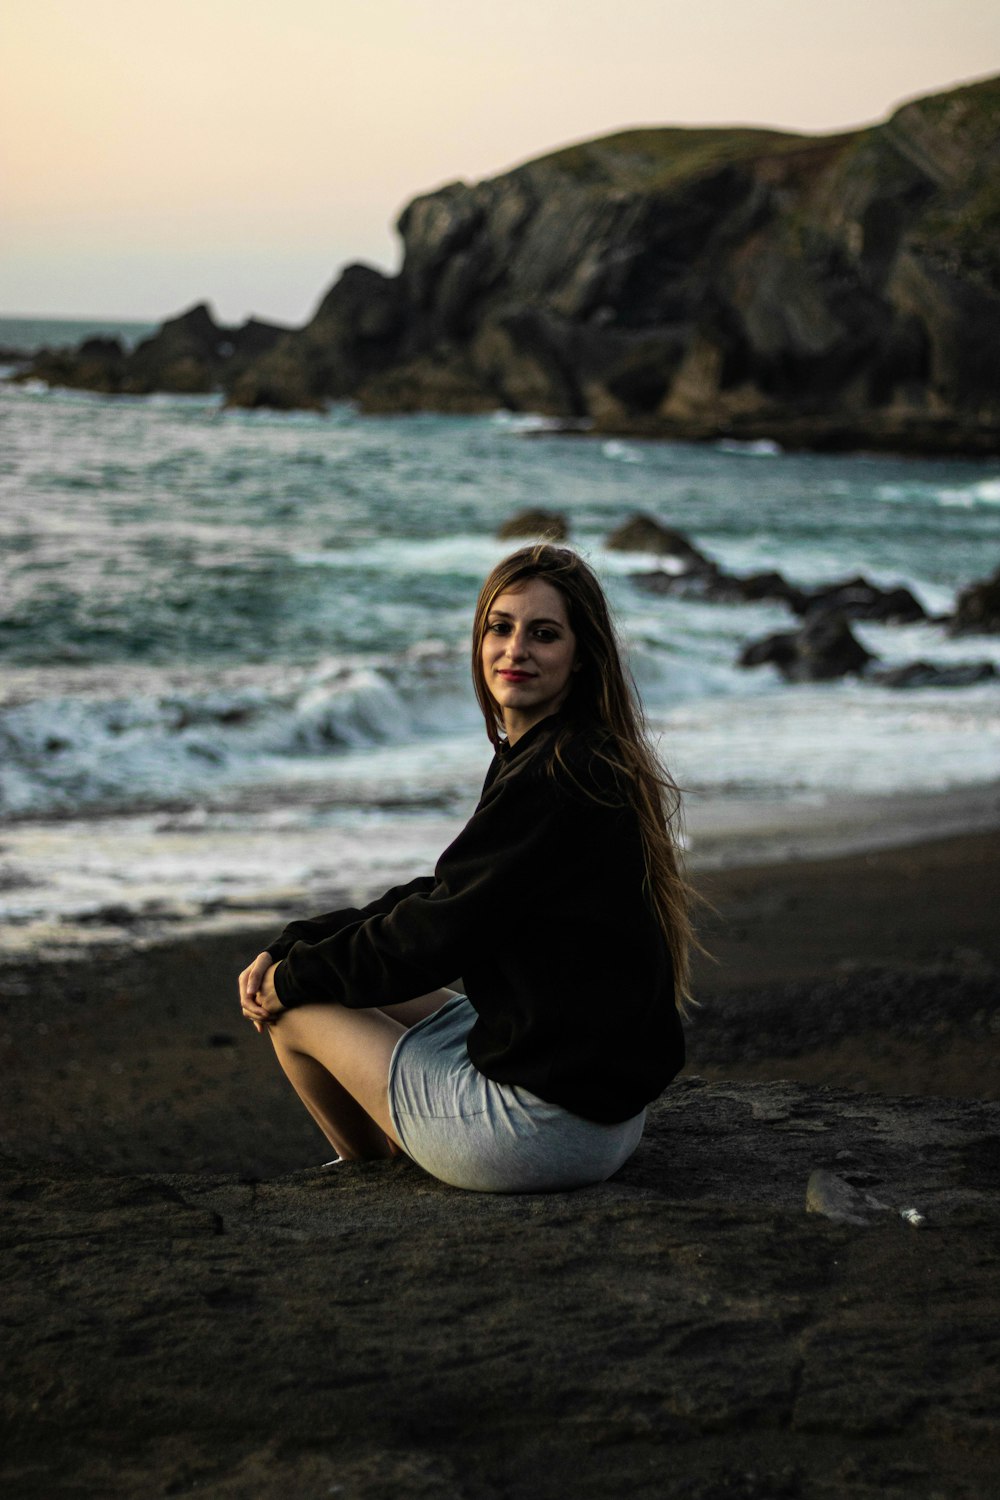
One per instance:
(288, 1029)
(308, 1028)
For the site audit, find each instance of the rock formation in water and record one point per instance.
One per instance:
(534, 523)
(825, 291)
(823, 647)
(977, 609)
(189, 355)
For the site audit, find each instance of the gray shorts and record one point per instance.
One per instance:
(488, 1137)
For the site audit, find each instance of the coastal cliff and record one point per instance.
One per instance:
(825, 291)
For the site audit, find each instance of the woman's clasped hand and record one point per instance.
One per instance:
(258, 1000)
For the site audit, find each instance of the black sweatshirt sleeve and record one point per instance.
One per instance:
(403, 947)
(315, 929)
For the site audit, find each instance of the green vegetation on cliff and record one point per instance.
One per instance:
(649, 160)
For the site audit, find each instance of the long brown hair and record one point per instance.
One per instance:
(604, 694)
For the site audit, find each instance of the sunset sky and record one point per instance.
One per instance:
(241, 151)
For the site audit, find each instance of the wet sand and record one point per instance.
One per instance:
(872, 971)
(877, 971)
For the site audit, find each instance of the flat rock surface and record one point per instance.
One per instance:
(185, 1311)
(685, 1330)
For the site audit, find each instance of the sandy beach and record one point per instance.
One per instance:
(193, 1308)
(873, 970)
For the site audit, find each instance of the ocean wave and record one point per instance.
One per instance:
(623, 453)
(834, 738)
(465, 555)
(235, 643)
(985, 492)
(526, 421)
(63, 754)
(31, 389)
(755, 448)
(131, 746)
(953, 497)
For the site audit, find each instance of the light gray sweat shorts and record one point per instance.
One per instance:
(488, 1137)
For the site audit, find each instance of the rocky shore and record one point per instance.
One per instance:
(828, 292)
(189, 355)
(687, 1330)
(191, 1306)
(822, 647)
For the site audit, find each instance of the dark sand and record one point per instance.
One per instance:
(878, 972)
(875, 972)
(173, 1325)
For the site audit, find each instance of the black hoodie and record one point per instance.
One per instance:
(539, 905)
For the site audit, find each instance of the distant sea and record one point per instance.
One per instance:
(28, 335)
(234, 644)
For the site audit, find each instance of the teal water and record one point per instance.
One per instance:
(226, 622)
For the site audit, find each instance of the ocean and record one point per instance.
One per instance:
(235, 676)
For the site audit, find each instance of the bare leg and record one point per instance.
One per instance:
(352, 1132)
(337, 1060)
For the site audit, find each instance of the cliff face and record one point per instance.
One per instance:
(832, 290)
(828, 291)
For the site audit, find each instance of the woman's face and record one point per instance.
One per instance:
(528, 654)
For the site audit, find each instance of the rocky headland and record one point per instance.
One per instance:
(189, 355)
(832, 292)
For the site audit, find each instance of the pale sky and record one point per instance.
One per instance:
(156, 154)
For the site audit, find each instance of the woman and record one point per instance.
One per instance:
(560, 903)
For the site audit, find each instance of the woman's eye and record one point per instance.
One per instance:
(546, 636)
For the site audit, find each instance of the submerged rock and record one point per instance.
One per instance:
(858, 599)
(645, 534)
(977, 609)
(712, 585)
(823, 649)
(549, 524)
(920, 674)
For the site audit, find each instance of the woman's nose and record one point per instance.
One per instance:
(517, 645)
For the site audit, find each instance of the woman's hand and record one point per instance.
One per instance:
(258, 1000)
